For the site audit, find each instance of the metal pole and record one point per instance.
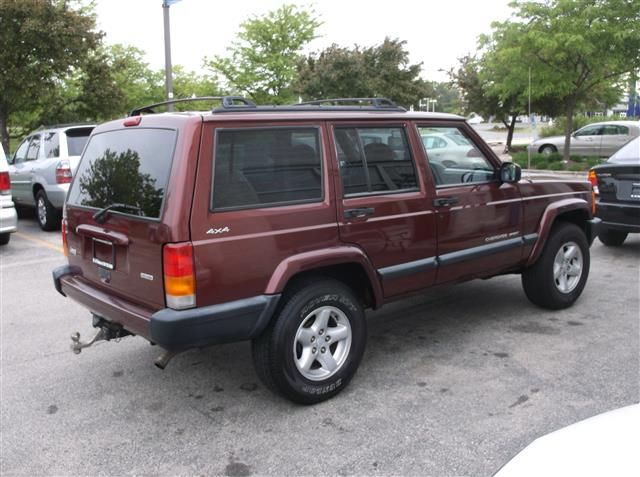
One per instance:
(167, 55)
(528, 148)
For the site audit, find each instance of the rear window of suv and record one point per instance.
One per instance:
(126, 166)
(76, 140)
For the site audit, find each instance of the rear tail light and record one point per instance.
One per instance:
(179, 277)
(63, 172)
(63, 230)
(593, 179)
(5, 183)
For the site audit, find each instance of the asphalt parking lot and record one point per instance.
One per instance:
(453, 382)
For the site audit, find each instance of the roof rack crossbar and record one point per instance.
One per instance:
(228, 102)
(377, 103)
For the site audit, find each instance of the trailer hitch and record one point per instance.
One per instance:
(107, 331)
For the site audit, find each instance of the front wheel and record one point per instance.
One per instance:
(612, 238)
(548, 149)
(557, 279)
(312, 348)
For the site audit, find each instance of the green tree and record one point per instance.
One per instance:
(41, 41)
(378, 71)
(579, 51)
(262, 62)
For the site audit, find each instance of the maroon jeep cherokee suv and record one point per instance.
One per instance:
(283, 224)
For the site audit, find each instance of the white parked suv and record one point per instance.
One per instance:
(8, 217)
(42, 168)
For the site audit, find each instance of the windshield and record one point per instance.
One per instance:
(129, 166)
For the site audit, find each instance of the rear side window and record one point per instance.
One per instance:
(51, 145)
(76, 140)
(266, 167)
(128, 167)
(34, 148)
(374, 160)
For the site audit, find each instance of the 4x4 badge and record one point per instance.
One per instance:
(222, 230)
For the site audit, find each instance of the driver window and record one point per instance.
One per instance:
(21, 153)
(453, 158)
(589, 131)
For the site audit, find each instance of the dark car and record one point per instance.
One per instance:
(617, 187)
(282, 225)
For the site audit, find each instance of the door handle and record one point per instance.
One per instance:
(444, 201)
(358, 213)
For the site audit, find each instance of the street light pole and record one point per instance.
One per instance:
(168, 77)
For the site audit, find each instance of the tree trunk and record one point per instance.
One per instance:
(568, 129)
(4, 131)
(510, 129)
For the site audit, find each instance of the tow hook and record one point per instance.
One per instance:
(107, 331)
(78, 345)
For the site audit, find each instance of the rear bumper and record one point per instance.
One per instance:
(174, 330)
(8, 219)
(624, 217)
(593, 229)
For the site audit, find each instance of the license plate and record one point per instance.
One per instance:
(635, 191)
(104, 254)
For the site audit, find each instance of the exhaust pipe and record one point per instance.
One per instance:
(162, 360)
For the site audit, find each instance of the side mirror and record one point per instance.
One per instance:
(510, 172)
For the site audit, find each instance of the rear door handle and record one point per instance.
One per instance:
(444, 201)
(358, 213)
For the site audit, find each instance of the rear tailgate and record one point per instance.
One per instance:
(137, 166)
(619, 183)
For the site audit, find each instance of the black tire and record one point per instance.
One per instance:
(548, 149)
(275, 351)
(612, 238)
(47, 216)
(539, 283)
(4, 239)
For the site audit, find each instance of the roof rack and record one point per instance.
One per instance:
(375, 103)
(228, 103)
(234, 104)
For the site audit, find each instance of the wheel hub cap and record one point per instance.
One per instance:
(42, 211)
(322, 343)
(567, 267)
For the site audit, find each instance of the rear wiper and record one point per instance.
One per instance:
(101, 215)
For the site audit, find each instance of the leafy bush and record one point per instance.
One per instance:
(556, 166)
(576, 167)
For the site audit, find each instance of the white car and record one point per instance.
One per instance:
(604, 445)
(452, 150)
(8, 216)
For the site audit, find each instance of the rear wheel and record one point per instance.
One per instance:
(4, 239)
(48, 217)
(548, 149)
(557, 279)
(612, 238)
(312, 348)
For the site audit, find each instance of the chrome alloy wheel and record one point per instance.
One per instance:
(42, 211)
(322, 343)
(567, 267)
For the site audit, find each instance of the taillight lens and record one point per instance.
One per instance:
(593, 178)
(65, 244)
(63, 172)
(179, 277)
(5, 183)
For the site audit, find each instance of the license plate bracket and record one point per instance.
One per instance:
(103, 254)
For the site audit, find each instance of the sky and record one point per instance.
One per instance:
(438, 32)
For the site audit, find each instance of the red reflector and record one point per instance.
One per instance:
(65, 244)
(5, 182)
(178, 259)
(593, 178)
(132, 121)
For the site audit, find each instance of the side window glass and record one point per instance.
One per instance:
(374, 160)
(21, 153)
(51, 145)
(34, 148)
(266, 167)
(458, 161)
(589, 131)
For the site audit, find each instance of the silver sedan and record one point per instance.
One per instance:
(597, 139)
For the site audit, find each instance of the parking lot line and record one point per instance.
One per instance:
(38, 241)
